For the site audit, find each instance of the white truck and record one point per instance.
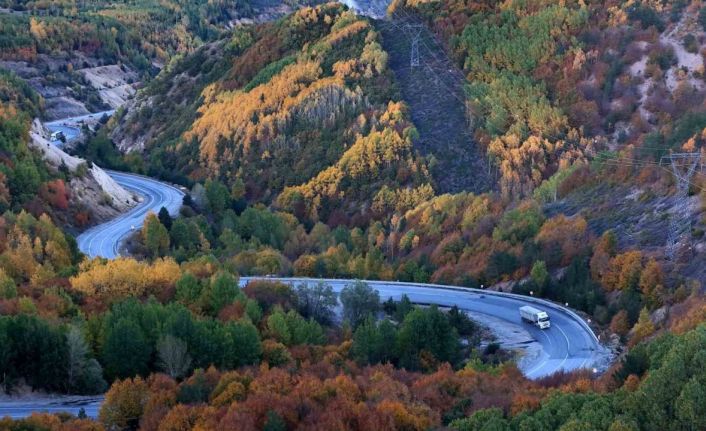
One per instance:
(57, 136)
(534, 316)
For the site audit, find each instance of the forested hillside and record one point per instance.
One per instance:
(302, 157)
(136, 32)
(91, 56)
(301, 124)
(21, 170)
(302, 114)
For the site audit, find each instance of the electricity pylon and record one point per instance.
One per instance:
(683, 167)
(415, 32)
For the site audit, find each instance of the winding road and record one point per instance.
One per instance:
(71, 127)
(569, 344)
(104, 240)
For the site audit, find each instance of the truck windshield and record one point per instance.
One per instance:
(543, 319)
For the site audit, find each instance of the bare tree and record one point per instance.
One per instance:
(173, 356)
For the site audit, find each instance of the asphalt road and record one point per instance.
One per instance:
(71, 126)
(23, 408)
(105, 239)
(567, 345)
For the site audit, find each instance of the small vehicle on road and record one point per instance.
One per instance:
(57, 136)
(535, 316)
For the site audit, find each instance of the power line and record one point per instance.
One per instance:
(415, 31)
(680, 219)
(433, 80)
(439, 48)
(683, 167)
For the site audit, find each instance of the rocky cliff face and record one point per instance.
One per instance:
(91, 189)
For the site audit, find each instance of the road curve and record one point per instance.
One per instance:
(104, 240)
(71, 126)
(568, 345)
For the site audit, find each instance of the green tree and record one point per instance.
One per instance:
(184, 234)
(24, 181)
(482, 420)
(464, 326)
(223, 291)
(359, 301)
(8, 289)
(243, 346)
(519, 224)
(403, 308)
(155, 236)
(218, 196)
(274, 422)
(269, 228)
(277, 327)
(34, 351)
(84, 374)
(292, 329)
(188, 288)
(540, 275)
(126, 351)
(372, 341)
(427, 330)
(165, 218)
(690, 406)
(316, 301)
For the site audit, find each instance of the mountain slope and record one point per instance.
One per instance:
(279, 106)
(435, 93)
(40, 178)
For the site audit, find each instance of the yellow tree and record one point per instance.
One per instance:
(623, 271)
(124, 404)
(155, 236)
(124, 277)
(643, 328)
(652, 283)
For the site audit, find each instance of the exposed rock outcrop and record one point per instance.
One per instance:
(91, 188)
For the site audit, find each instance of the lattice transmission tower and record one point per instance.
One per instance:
(683, 166)
(414, 31)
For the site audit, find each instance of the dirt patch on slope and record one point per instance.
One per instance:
(114, 83)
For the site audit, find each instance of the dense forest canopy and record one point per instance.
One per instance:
(312, 120)
(136, 32)
(302, 158)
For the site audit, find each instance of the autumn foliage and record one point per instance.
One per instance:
(125, 277)
(319, 396)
